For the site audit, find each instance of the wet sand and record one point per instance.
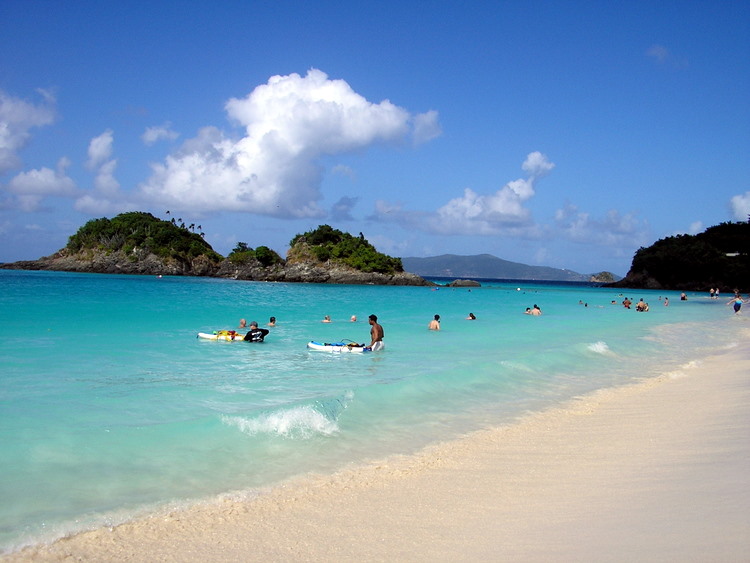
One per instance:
(656, 471)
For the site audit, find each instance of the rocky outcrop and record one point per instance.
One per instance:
(307, 272)
(149, 264)
(313, 272)
(252, 270)
(464, 283)
(117, 262)
(638, 280)
(603, 277)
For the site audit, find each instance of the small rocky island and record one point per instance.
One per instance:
(139, 243)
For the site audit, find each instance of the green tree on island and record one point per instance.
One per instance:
(242, 254)
(326, 244)
(137, 230)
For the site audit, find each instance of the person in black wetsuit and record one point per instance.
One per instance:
(256, 334)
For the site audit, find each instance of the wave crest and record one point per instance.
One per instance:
(599, 347)
(304, 421)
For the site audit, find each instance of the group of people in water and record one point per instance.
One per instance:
(256, 334)
(376, 331)
(434, 324)
(735, 301)
(271, 322)
(642, 306)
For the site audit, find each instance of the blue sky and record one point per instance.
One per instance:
(564, 134)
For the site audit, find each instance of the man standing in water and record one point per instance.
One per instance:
(255, 334)
(434, 323)
(376, 334)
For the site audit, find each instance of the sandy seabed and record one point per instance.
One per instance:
(655, 471)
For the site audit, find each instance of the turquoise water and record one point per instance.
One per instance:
(111, 407)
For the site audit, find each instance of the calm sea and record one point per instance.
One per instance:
(110, 407)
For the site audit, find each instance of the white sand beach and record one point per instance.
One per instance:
(656, 471)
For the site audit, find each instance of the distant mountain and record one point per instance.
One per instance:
(486, 266)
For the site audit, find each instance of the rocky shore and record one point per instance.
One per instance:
(641, 280)
(149, 264)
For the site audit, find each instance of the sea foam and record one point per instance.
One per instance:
(297, 422)
(599, 347)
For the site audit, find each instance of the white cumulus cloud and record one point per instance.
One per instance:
(105, 181)
(93, 204)
(159, 133)
(537, 165)
(32, 186)
(696, 227)
(481, 214)
(17, 118)
(426, 127)
(740, 205)
(99, 153)
(100, 149)
(492, 214)
(106, 197)
(44, 181)
(273, 169)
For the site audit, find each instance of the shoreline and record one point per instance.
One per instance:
(657, 470)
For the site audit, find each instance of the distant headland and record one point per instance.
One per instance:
(719, 258)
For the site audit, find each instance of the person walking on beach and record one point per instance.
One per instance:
(376, 333)
(434, 323)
